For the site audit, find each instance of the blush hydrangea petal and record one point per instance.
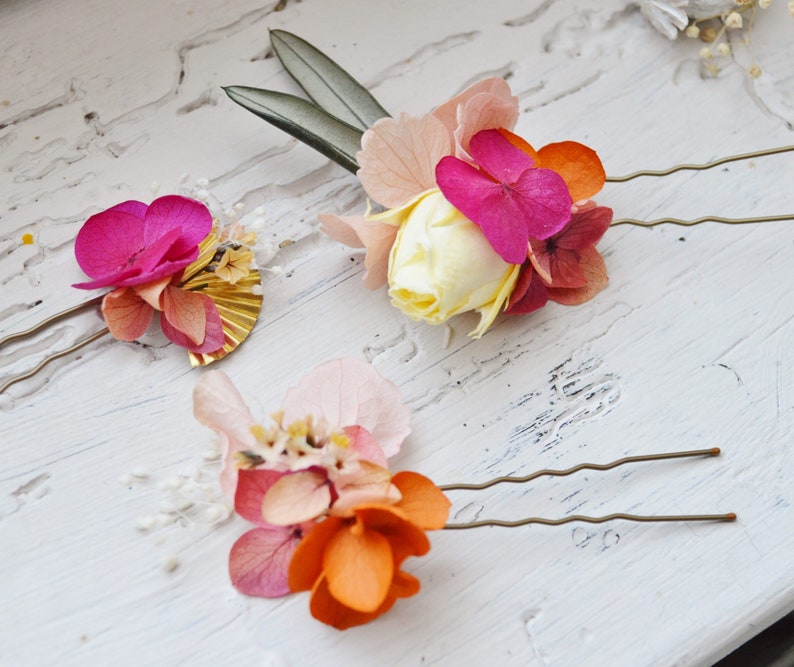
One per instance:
(260, 558)
(127, 315)
(347, 392)
(213, 339)
(367, 448)
(218, 405)
(297, 497)
(399, 156)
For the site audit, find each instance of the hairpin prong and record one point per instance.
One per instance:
(714, 451)
(700, 167)
(50, 320)
(57, 355)
(697, 221)
(592, 519)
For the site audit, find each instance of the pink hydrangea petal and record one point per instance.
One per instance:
(349, 392)
(252, 485)
(367, 448)
(297, 497)
(126, 314)
(218, 405)
(133, 207)
(398, 157)
(529, 295)
(498, 157)
(587, 226)
(494, 87)
(213, 339)
(259, 560)
(106, 243)
(191, 217)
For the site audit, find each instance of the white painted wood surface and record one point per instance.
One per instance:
(690, 345)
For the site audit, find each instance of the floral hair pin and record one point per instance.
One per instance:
(329, 516)
(475, 218)
(170, 258)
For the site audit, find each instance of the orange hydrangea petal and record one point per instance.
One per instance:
(521, 144)
(358, 566)
(595, 270)
(579, 166)
(326, 608)
(406, 538)
(404, 585)
(422, 501)
(306, 565)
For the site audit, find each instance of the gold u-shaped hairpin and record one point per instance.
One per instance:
(714, 451)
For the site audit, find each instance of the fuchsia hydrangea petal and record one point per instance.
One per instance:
(252, 485)
(512, 203)
(349, 392)
(132, 244)
(127, 315)
(296, 497)
(218, 405)
(104, 246)
(259, 560)
(399, 156)
(190, 217)
(187, 312)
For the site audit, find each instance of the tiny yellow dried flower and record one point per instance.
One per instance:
(234, 265)
(708, 34)
(724, 49)
(340, 440)
(706, 53)
(754, 71)
(733, 21)
(693, 31)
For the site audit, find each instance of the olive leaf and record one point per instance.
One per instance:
(334, 138)
(329, 86)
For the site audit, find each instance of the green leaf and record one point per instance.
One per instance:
(303, 120)
(329, 86)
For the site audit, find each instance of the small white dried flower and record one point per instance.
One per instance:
(723, 49)
(754, 71)
(693, 31)
(791, 7)
(733, 21)
(706, 53)
(170, 563)
(764, 4)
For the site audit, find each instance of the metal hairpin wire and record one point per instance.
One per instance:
(714, 451)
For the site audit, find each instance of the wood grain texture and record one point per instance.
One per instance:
(688, 347)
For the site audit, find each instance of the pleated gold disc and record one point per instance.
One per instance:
(238, 304)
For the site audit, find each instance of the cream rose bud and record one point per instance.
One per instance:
(441, 264)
